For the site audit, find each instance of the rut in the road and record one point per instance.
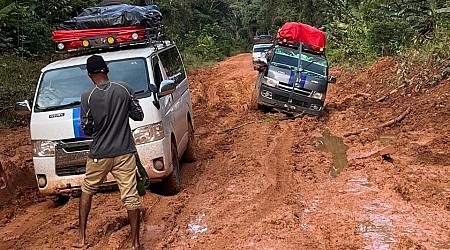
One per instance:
(277, 170)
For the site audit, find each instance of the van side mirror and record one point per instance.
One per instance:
(332, 79)
(22, 108)
(167, 88)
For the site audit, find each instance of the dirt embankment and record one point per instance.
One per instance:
(308, 183)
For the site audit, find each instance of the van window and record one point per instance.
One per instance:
(172, 64)
(64, 86)
(311, 65)
(157, 76)
(261, 48)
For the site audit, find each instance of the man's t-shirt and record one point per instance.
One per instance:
(106, 110)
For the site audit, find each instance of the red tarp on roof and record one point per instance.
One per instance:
(73, 38)
(72, 35)
(299, 32)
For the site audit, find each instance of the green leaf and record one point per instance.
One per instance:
(5, 11)
(443, 10)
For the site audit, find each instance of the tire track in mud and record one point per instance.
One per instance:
(276, 164)
(244, 175)
(161, 221)
(252, 194)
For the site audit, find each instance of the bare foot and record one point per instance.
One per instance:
(80, 243)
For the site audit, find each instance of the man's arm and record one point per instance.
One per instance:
(87, 121)
(135, 111)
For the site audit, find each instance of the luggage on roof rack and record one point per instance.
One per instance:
(94, 39)
(293, 34)
(108, 27)
(121, 15)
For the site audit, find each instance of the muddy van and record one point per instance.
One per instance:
(296, 76)
(259, 53)
(157, 75)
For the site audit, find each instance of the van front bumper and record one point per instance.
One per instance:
(279, 99)
(55, 180)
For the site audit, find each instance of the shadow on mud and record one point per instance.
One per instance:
(60, 200)
(19, 187)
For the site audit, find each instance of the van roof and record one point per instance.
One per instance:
(108, 56)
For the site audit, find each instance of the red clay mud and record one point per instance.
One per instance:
(267, 185)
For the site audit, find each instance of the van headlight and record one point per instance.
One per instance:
(318, 95)
(271, 82)
(43, 148)
(148, 133)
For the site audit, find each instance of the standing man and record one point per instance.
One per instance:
(106, 110)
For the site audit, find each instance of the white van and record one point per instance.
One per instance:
(157, 75)
(259, 53)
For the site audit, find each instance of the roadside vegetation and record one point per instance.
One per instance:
(417, 32)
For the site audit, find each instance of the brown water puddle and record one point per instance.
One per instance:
(386, 139)
(444, 245)
(334, 145)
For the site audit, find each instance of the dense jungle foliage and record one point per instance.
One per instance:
(358, 31)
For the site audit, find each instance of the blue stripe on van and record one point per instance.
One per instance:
(302, 81)
(291, 78)
(76, 119)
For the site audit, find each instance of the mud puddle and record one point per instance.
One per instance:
(197, 226)
(359, 185)
(334, 145)
(444, 245)
(382, 222)
(375, 223)
(386, 139)
(380, 231)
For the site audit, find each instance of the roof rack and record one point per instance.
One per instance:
(304, 46)
(263, 39)
(89, 41)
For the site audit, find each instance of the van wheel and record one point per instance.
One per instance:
(189, 154)
(171, 185)
(254, 101)
(60, 199)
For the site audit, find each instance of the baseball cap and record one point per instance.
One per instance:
(96, 64)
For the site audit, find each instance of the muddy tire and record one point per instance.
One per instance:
(189, 154)
(171, 185)
(60, 199)
(254, 105)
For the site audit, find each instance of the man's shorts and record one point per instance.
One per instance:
(123, 168)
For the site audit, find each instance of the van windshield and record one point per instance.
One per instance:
(261, 48)
(62, 88)
(288, 58)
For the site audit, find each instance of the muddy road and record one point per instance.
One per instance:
(372, 173)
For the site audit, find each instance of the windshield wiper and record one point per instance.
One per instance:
(282, 65)
(59, 106)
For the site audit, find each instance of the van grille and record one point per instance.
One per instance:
(295, 102)
(77, 148)
(71, 156)
(301, 91)
(71, 170)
